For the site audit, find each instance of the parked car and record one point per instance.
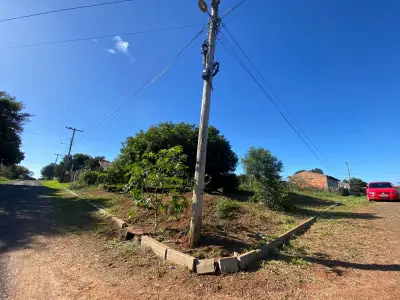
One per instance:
(382, 191)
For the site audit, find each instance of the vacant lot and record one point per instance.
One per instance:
(63, 250)
(228, 225)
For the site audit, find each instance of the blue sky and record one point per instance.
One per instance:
(334, 64)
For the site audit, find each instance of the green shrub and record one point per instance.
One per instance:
(78, 185)
(89, 177)
(271, 193)
(102, 177)
(343, 192)
(227, 208)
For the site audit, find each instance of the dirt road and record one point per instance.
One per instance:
(49, 251)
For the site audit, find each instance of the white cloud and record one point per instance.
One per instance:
(121, 45)
(111, 51)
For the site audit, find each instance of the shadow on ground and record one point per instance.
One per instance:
(311, 206)
(334, 264)
(29, 210)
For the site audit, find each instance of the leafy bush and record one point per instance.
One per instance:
(343, 192)
(271, 193)
(77, 185)
(89, 177)
(227, 208)
(102, 177)
(178, 206)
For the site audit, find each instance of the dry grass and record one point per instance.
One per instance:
(251, 227)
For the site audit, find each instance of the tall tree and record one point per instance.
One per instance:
(221, 160)
(12, 120)
(80, 161)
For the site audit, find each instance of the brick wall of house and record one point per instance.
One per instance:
(309, 179)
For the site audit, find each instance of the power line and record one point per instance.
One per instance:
(64, 9)
(119, 109)
(225, 42)
(99, 37)
(230, 10)
(246, 9)
(273, 93)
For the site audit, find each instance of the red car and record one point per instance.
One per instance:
(382, 191)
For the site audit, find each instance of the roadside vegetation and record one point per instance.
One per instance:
(12, 120)
(4, 179)
(149, 186)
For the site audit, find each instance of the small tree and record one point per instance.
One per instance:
(264, 169)
(259, 162)
(157, 182)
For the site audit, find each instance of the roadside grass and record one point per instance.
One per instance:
(339, 235)
(71, 214)
(4, 180)
(54, 184)
(316, 202)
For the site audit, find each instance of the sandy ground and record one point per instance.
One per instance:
(39, 262)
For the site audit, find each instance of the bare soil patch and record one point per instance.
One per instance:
(245, 230)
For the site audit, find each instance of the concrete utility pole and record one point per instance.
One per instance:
(348, 171)
(57, 158)
(55, 163)
(210, 70)
(71, 142)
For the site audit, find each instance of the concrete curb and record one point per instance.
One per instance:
(166, 253)
(119, 222)
(231, 264)
(246, 259)
(207, 266)
(284, 238)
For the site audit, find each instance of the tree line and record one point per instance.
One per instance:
(12, 121)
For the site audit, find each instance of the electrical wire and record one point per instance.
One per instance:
(225, 42)
(100, 37)
(230, 10)
(272, 91)
(246, 9)
(149, 83)
(64, 9)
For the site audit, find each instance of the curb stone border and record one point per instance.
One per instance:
(231, 264)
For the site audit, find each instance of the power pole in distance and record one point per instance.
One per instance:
(210, 70)
(348, 171)
(71, 142)
(55, 163)
(57, 158)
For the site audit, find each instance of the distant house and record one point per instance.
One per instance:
(314, 180)
(104, 164)
(344, 185)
